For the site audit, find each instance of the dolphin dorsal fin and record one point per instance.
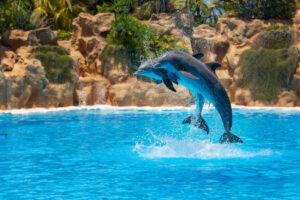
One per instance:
(198, 55)
(213, 66)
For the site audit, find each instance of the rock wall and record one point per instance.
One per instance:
(229, 40)
(102, 73)
(25, 85)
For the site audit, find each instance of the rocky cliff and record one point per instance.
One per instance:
(102, 73)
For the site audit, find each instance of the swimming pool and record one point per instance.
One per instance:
(143, 153)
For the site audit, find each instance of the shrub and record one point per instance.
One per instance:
(15, 14)
(276, 39)
(275, 27)
(266, 71)
(118, 6)
(140, 41)
(143, 12)
(260, 9)
(64, 35)
(204, 12)
(56, 62)
(56, 13)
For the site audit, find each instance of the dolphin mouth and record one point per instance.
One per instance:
(138, 73)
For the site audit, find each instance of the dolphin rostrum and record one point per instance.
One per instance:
(203, 83)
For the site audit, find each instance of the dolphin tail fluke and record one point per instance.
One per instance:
(230, 138)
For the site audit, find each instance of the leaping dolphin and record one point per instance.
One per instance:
(203, 83)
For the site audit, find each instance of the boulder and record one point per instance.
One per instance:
(56, 95)
(88, 41)
(91, 90)
(205, 40)
(7, 58)
(253, 28)
(243, 97)
(3, 92)
(87, 25)
(17, 38)
(42, 36)
(296, 82)
(224, 77)
(287, 99)
(115, 64)
(238, 77)
(233, 29)
(139, 93)
(178, 25)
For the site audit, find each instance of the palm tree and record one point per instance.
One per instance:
(58, 13)
(204, 12)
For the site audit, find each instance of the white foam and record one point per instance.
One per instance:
(197, 149)
(109, 108)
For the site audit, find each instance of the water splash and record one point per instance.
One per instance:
(166, 147)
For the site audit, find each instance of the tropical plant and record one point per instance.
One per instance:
(118, 6)
(15, 14)
(90, 5)
(273, 38)
(58, 13)
(140, 41)
(260, 9)
(204, 12)
(267, 71)
(56, 62)
(64, 35)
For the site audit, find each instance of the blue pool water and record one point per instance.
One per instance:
(109, 153)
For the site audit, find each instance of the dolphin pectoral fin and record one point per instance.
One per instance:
(198, 55)
(173, 78)
(189, 75)
(158, 81)
(230, 138)
(169, 84)
(187, 120)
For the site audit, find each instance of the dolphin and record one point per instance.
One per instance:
(203, 83)
(161, 75)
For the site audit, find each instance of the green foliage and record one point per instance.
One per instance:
(204, 12)
(266, 71)
(56, 62)
(15, 14)
(140, 41)
(58, 13)
(64, 35)
(260, 9)
(118, 6)
(274, 38)
(143, 12)
(90, 5)
(275, 27)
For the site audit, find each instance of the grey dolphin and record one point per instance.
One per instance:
(203, 83)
